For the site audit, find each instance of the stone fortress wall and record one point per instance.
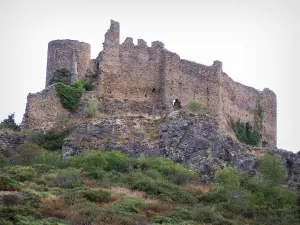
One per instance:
(155, 77)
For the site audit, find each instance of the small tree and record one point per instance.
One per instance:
(271, 169)
(226, 179)
(10, 123)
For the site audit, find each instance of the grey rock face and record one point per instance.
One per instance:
(189, 141)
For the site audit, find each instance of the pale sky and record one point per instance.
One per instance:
(258, 42)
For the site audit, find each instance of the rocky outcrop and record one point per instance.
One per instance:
(185, 139)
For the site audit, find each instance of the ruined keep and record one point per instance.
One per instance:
(151, 77)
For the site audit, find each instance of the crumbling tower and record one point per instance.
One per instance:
(70, 54)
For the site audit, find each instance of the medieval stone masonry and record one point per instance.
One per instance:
(152, 77)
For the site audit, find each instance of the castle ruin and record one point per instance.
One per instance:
(151, 77)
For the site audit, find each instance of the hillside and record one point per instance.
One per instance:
(106, 187)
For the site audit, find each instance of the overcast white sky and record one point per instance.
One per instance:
(257, 41)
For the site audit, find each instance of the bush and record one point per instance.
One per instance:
(271, 169)
(22, 173)
(27, 152)
(85, 212)
(30, 206)
(116, 161)
(51, 140)
(11, 199)
(194, 106)
(80, 194)
(129, 206)
(226, 179)
(212, 197)
(172, 171)
(61, 76)
(8, 184)
(245, 133)
(96, 195)
(161, 189)
(51, 159)
(90, 111)
(205, 214)
(88, 160)
(82, 84)
(66, 179)
(69, 95)
(42, 168)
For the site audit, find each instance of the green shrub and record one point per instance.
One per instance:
(194, 106)
(129, 206)
(11, 199)
(81, 194)
(90, 111)
(30, 206)
(69, 95)
(161, 189)
(164, 220)
(245, 133)
(88, 160)
(271, 169)
(61, 76)
(198, 213)
(207, 215)
(116, 161)
(212, 197)
(87, 85)
(43, 168)
(226, 179)
(66, 179)
(50, 140)
(51, 159)
(85, 212)
(181, 214)
(172, 171)
(8, 184)
(27, 152)
(22, 173)
(96, 195)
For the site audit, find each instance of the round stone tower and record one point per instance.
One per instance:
(70, 54)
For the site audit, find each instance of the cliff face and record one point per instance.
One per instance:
(183, 138)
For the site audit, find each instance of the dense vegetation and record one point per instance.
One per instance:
(248, 134)
(245, 133)
(106, 187)
(70, 95)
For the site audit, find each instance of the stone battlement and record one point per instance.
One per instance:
(155, 77)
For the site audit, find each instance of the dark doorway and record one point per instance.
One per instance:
(176, 104)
